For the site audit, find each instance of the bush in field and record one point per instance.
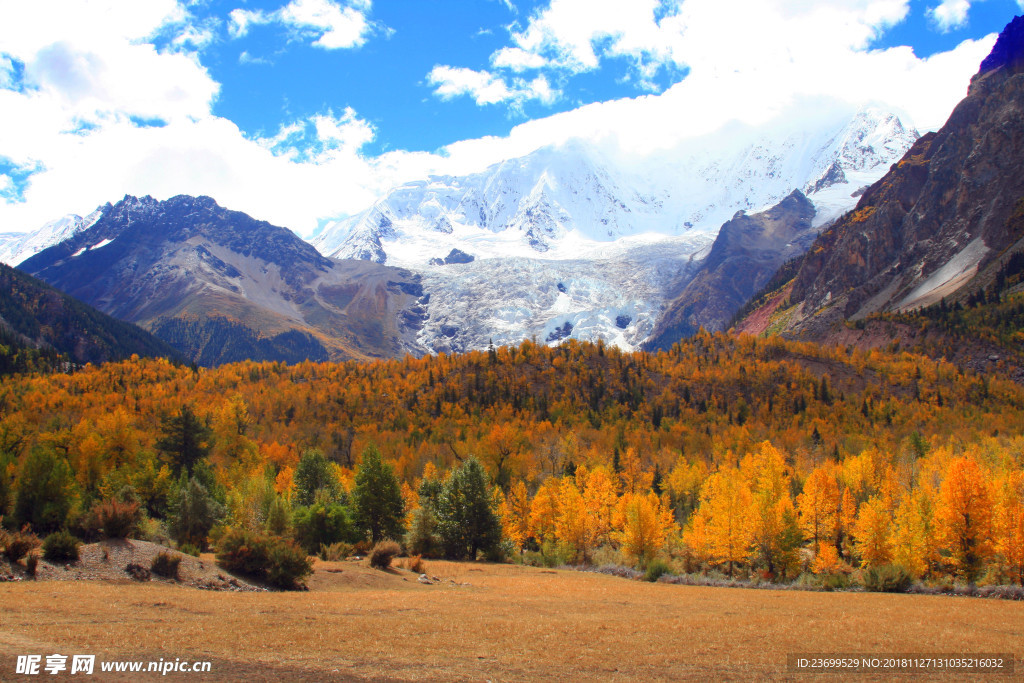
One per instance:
(46, 491)
(31, 563)
(321, 524)
(416, 564)
(383, 553)
(17, 544)
(279, 562)
(289, 565)
(335, 552)
(60, 546)
(189, 549)
(166, 564)
(656, 568)
(194, 512)
(886, 578)
(116, 519)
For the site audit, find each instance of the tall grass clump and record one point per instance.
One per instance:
(383, 553)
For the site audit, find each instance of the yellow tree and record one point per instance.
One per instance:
(515, 514)
(644, 524)
(601, 499)
(915, 539)
(574, 526)
(635, 479)
(544, 511)
(1010, 523)
(775, 533)
(819, 507)
(847, 520)
(724, 509)
(697, 540)
(871, 533)
(684, 482)
(964, 516)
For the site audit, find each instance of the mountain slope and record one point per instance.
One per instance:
(16, 247)
(939, 225)
(34, 315)
(222, 286)
(746, 253)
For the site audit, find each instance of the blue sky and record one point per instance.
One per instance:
(385, 79)
(301, 110)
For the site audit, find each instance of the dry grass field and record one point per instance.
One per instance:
(486, 622)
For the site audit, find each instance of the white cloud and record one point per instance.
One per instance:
(334, 26)
(950, 14)
(6, 72)
(487, 88)
(88, 73)
(93, 87)
(322, 138)
(196, 36)
(240, 19)
(518, 59)
(747, 61)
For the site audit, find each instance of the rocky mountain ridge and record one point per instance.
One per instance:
(223, 286)
(938, 226)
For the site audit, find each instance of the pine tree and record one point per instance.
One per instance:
(46, 491)
(185, 440)
(467, 521)
(377, 498)
(313, 474)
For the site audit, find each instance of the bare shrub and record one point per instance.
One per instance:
(17, 544)
(166, 564)
(416, 564)
(137, 572)
(383, 553)
(335, 552)
(116, 519)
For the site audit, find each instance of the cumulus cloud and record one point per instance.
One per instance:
(333, 25)
(86, 76)
(99, 112)
(747, 62)
(950, 14)
(487, 88)
(322, 138)
(518, 59)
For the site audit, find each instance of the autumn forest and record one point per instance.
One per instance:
(734, 456)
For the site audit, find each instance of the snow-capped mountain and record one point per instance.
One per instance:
(576, 200)
(575, 240)
(16, 247)
(569, 241)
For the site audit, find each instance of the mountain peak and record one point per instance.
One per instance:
(1009, 48)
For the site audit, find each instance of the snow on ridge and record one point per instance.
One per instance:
(585, 197)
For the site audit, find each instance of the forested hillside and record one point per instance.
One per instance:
(735, 453)
(42, 328)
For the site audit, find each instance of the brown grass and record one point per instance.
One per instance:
(490, 622)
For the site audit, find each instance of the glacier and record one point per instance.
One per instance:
(620, 234)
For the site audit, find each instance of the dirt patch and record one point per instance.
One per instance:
(129, 561)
